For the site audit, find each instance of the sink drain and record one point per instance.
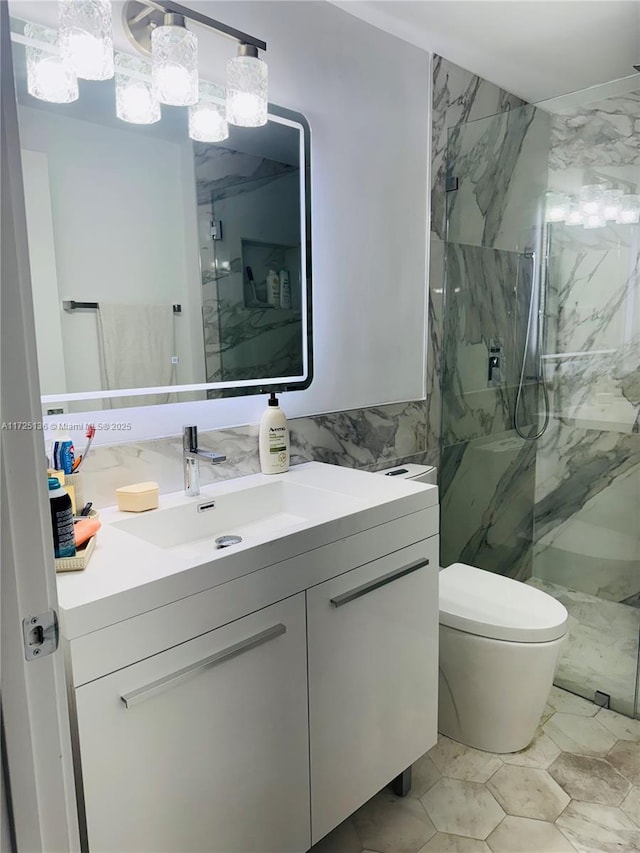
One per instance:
(226, 541)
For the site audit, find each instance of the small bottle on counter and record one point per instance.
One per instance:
(274, 439)
(64, 540)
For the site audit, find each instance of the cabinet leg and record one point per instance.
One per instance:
(401, 785)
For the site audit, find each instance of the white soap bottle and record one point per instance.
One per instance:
(274, 439)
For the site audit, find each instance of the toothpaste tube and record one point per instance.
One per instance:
(63, 455)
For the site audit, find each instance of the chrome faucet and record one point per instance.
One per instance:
(191, 454)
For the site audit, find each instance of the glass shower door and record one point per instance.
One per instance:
(561, 511)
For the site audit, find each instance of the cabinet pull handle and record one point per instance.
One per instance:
(383, 580)
(168, 681)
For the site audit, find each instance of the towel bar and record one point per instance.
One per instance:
(71, 305)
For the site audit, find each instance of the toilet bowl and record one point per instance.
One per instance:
(499, 646)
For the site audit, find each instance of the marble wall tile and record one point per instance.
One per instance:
(476, 292)
(586, 512)
(486, 302)
(372, 438)
(500, 163)
(459, 97)
(486, 503)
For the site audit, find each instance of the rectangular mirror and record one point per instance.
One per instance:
(163, 270)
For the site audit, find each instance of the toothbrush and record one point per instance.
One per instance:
(91, 431)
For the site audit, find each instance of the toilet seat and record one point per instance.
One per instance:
(490, 605)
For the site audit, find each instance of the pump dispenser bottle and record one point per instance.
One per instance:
(274, 439)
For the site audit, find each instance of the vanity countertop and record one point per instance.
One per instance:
(127, 575)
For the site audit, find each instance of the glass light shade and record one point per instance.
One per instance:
(247, 91)
(135, 101)
(207, 121)
(49, 76)
(86, 37)
(593, 220)
(574, 214)
(591, 199)
(174, 61)
(557, 207)
(629, 210)
(611, 204)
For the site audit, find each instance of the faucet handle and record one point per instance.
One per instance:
(190, 438)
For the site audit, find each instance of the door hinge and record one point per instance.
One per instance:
(40, 635)
(216, 229)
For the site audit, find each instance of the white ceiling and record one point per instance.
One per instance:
(536, 49)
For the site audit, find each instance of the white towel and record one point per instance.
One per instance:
(136, 346)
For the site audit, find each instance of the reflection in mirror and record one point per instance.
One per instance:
(182, 268)
(249, 257)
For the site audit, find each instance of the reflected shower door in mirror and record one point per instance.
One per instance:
(159, 263)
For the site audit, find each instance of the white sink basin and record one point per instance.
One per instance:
(261, 511)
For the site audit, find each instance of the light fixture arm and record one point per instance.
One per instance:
(169, 7)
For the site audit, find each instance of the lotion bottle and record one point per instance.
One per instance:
(274, 439)
(273, 289)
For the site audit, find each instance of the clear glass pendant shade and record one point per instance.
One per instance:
(574, 214)
(174, 60)
(591, 199)
(247, 91)
(611, 204)
(207, 121)
(629, 210)
(49, 76)
(135, 101)
(86, 37)
(557, 207)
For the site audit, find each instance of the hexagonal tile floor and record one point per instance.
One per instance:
(575, 788)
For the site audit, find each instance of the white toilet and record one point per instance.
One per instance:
(499, 645)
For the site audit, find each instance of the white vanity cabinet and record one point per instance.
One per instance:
(249, 700)
(373, 640)
(203, 746)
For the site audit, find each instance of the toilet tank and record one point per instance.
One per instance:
(419, 473)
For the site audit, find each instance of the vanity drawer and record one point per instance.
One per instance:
(108, 649)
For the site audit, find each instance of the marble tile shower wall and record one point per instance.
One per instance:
(588, 462)
(497, 148)
(372, 439)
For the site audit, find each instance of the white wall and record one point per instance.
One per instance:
(365, 94)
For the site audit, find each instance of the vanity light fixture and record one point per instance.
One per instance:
(174, 62)
(86, 37)
(207, 121)
(159, 28)
(247, 88)
(49, 76)
(135, 99)
(83, 47)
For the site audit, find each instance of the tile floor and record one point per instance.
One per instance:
(602, 650)
(576, 788)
